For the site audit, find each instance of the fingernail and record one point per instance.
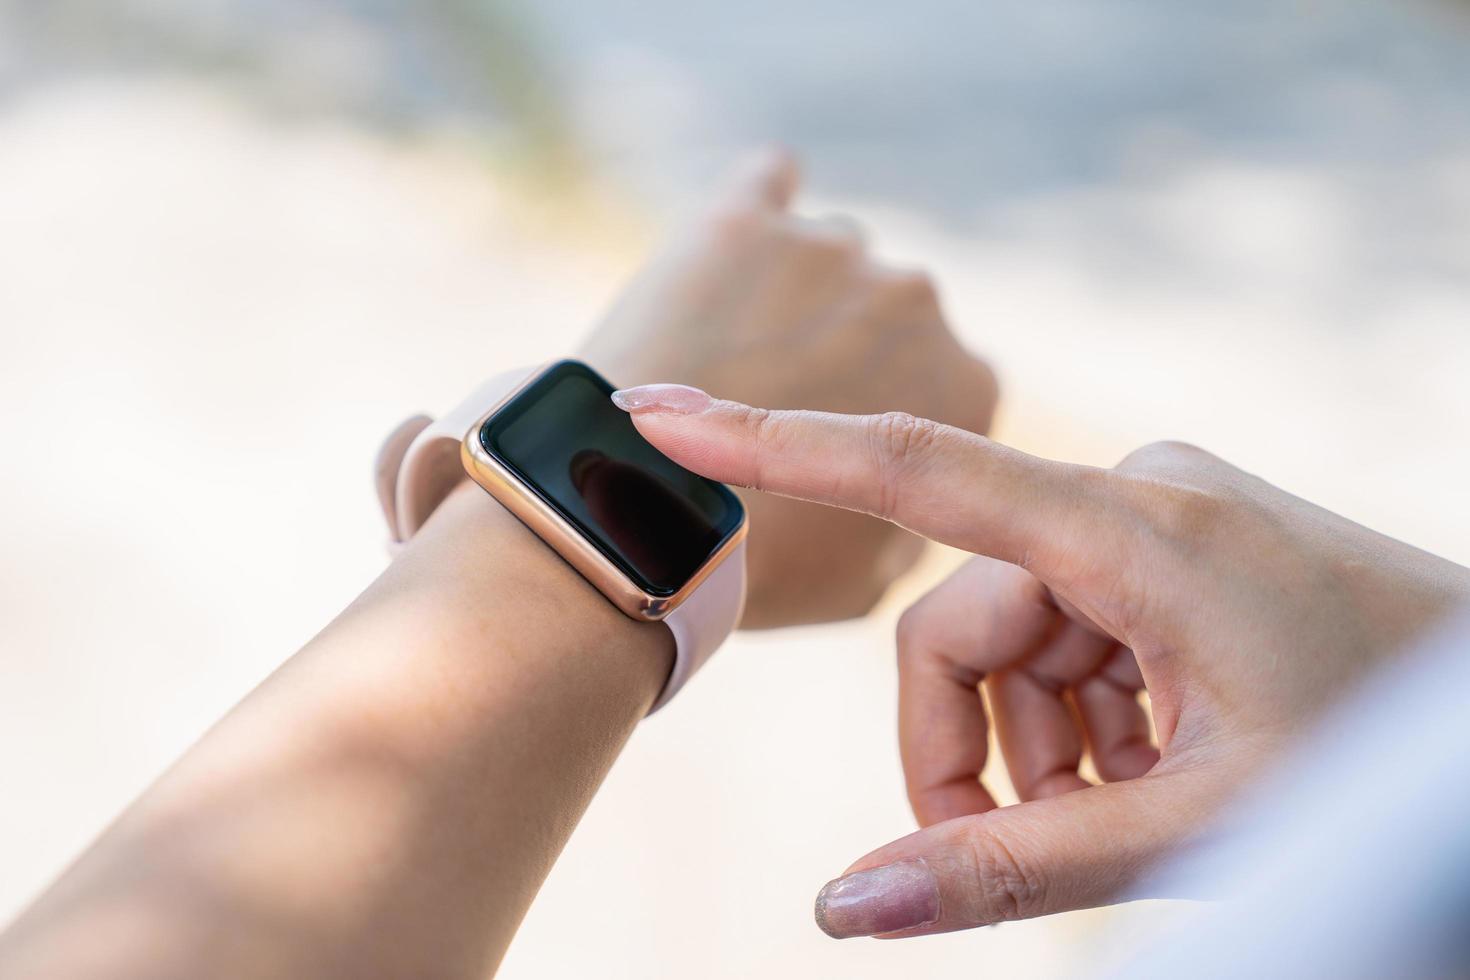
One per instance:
(676, 399)
(897, 896)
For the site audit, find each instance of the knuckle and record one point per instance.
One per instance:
(913, 288)
(732, 225)
(1008, 886)
(833, 248)
(1166, 454)
(899, 436)
(768, 436)
(759, 421)
(1187, 513)
(1179, 490)
(911, 631)
(897, 441)
(833, 239)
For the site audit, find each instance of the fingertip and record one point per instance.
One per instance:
(879, 901)
(674, 399)
(683, 438)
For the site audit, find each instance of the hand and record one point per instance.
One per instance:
(1240, 609)
(781, 309)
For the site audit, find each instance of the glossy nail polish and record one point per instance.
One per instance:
(674, 399)
(903, 895)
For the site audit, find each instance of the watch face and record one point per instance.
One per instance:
(567, 442)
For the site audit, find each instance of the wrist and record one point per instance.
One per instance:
(506, 589)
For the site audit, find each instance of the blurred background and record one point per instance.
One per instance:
(240, 239)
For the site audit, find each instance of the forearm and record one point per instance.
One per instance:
(389, 801)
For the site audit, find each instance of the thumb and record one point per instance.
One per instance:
(765, 178)
(947, 484)
(1069, 852)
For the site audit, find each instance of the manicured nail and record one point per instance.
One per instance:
(676, 399)
(897, 896)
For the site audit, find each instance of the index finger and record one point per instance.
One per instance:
(944, 483)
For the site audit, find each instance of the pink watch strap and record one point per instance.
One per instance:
(425, 470)
(703, 621)
(419, 465)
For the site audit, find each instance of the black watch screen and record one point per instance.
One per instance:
(580, 453)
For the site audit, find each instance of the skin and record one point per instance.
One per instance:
(389, 801)
(351, 816)
(772, 307)
(1241, 609)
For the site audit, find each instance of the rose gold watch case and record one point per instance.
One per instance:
(564, 538)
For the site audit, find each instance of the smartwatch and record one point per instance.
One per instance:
(661, 543)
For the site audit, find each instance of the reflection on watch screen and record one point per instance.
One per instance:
(656, 520)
